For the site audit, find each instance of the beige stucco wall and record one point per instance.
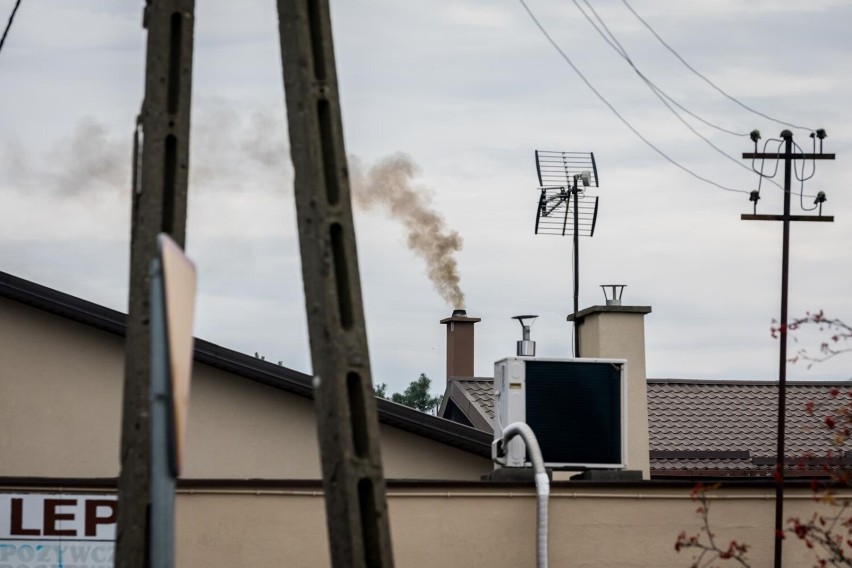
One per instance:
(488, 527)
(60, 407)
(622, 336)
(242, 429)
(60, 395)
(483, 525)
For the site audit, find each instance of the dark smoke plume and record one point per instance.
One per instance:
(89, 161)
(389, 184)
(229, 151)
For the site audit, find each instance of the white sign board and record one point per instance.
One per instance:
(179, 293)
(47, 530)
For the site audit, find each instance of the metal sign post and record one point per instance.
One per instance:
(172, 309)
(353, 481)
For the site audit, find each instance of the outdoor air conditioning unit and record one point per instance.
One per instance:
(575, 407)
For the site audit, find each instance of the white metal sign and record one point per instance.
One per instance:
(40, 530)
(179, 292)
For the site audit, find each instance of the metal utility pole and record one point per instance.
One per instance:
(576, 193)
(159, 205)
(356, 507)
(788, 156)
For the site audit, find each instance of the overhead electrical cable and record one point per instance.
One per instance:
(615, 112)
(613, 42)
(9, 24)
(803, 178)
(604, 31)
(706, 80)
(760, 173)
(763, 160)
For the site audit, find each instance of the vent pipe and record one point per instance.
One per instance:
(526, 348)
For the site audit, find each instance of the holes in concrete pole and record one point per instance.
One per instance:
(329, 154)
(315, 22)
(369, 523)
(169, 182)
(341, 276)
(357, 414)
(175, 40)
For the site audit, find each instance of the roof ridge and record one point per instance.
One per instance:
(755, 382)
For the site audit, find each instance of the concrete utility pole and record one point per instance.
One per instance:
(159, 205)
(353, 481)
(788, 156)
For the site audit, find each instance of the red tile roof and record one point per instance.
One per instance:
(729, 427)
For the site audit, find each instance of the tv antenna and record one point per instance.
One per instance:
(564, 207)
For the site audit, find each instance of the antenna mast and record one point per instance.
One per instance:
(563, 178)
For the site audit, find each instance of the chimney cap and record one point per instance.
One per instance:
(582, 314)
(460, 315)
(613, 298)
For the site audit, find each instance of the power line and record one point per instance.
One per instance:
(9, 24)
(706, 80)
(760, 173)
(613, 42)
(770, 177)
(613, 109)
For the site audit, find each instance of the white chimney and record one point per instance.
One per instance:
(618, 332)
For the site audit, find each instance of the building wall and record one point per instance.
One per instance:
(490, 527)
(60, 395)
(60, 409)
(471, 525)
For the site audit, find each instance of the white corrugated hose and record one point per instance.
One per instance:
(542, 483)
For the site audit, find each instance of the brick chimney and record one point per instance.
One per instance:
(618, 332)
(459, 344)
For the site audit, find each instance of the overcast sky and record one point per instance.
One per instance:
(468, 89)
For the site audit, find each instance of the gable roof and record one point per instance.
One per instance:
(473, 398)
(713, 428)
(245, 366)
